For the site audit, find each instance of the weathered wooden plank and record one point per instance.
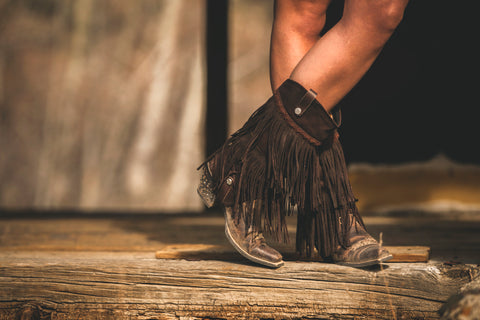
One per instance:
(409, 253)
(227, 253)
(124, 285)
(105, 148)
(105, 267)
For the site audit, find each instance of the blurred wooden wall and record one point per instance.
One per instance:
(101, 104)
(250, 24)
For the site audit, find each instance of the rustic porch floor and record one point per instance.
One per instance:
(81, 266)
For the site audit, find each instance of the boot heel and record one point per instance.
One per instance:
(205, 189)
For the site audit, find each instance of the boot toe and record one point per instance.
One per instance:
(265, 252)
(253, 248)
(363, 256)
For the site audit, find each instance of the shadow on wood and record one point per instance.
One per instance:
(227, 253)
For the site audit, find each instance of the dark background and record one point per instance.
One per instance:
(417, 100)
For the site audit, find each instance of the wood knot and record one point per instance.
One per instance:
(29, 312)
(459, 271)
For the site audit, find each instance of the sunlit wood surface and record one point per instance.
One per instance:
(104, 266)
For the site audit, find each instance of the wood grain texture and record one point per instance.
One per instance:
(121, 286)
(104, 267)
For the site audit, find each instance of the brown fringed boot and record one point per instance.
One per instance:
(287, 158)
(219, 186)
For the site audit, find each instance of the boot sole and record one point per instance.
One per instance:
(366, 263)
(249, 256)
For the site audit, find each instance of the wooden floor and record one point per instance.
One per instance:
(74, 266)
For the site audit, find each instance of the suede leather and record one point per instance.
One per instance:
(225, 193)
(313, 119)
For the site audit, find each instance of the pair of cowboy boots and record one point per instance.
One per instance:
(287, 159)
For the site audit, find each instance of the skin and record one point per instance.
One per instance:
(333, 64)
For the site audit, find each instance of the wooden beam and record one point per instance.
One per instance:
(105, 267)
(125, 285)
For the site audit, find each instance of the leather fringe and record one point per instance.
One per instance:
(279, 173)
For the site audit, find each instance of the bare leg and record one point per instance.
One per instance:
(336, 62)
(296, 28)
